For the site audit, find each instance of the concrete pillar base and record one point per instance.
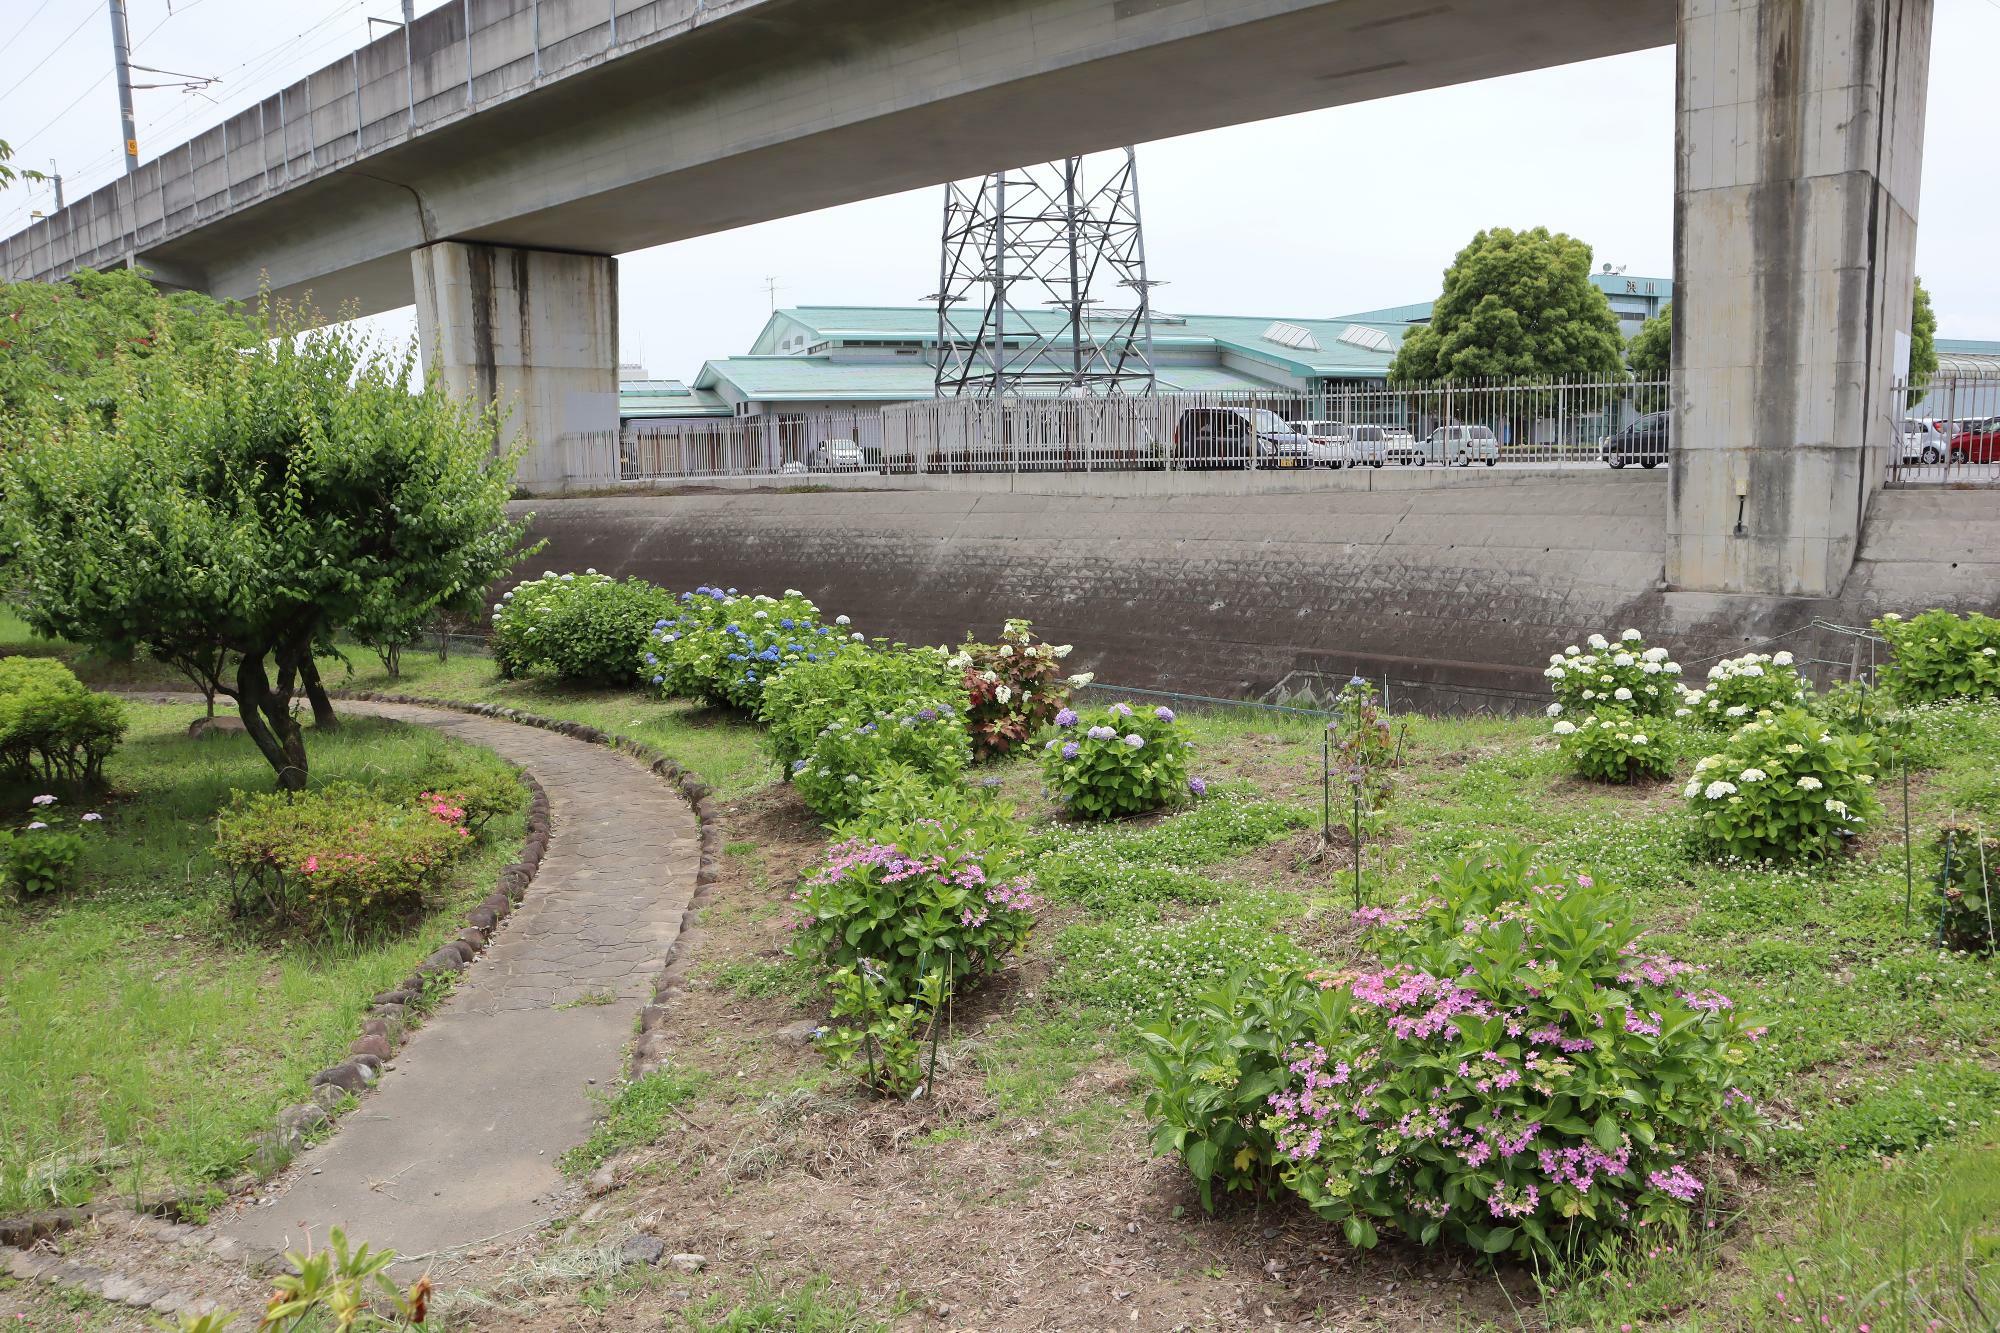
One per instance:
(1799, 148)
(537, 332)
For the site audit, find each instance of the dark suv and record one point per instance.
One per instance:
(1643, 442)
(1237, 437)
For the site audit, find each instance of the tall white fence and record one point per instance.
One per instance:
(1945, 432)
(1491, 424)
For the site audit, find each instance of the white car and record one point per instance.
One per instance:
(1924, 441)
(1328, 443)
(836, 456)
(1371, 444)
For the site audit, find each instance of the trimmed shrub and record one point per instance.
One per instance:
(837, 776)
(1785, 785)
(53, 730)
(1610, 744)
(584, 629)
(1938, 655)
(1627, 673)
(1740, 686)
(332, 858)
(864, 680)
(477, 792)
(1116, 761)
(1014, 687)
(1522, 1076)
(723, 648)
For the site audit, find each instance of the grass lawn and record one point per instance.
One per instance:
(145, 1037)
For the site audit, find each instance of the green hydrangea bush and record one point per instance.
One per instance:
(53, 730)
(584, 629)
(1968, 861)
(40, 855)
(723, 648)
(1740, 687)
(863, 680)
(336, 858)
(1938, 655)
(838, 775)
(1785, 785)
(1627, 673)
(1516, 1073)
(1612, 745)
(1117, 761)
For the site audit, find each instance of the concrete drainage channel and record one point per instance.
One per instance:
(27, 1250)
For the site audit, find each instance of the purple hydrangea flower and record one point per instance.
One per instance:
(1164, 714)
(1100, 733)
(1135, 740)
(1066, 717)
(92, 817)
(1199, 786)
(45, 800)
(1121, 710)
(1069, 750)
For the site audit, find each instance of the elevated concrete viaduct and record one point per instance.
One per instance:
(488, 162)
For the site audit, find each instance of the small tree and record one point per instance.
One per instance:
(1923, 343)
(1650, 354)
(1516, 305)
(236, 512)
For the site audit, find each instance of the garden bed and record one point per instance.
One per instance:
(147, 1037)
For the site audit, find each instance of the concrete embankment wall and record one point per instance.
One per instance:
(1457, 592)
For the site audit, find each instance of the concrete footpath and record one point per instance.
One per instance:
(458, 1143)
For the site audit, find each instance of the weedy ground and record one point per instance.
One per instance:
(1020, 1191)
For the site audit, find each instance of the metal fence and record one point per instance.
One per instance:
(1466, 424)
(1945, 432)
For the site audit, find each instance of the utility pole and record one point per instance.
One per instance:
(121, 56)
(55, 177)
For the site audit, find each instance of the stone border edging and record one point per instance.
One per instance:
(649, 1052)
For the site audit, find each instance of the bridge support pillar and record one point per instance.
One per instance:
(537, 331)
(1798, 153)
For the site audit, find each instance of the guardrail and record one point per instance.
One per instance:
(1944, 431)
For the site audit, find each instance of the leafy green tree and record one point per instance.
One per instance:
(239, 511)
(61, 342)
(1516, 305)
(1923, 342)
(8, 175)
(1650, 354)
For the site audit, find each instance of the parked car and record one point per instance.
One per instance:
(1978, 443)
(1237, 437)
(1924, 442)
(1460, 446)
(842, 456)
(1643, 441)
(1328, 443)
(1371, 444)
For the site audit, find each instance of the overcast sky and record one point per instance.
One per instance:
(1310, 215)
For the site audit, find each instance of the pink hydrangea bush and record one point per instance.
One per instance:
(1521, 1073)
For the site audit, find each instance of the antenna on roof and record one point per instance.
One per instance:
(771, 290)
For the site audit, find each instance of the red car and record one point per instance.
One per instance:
(1979, 442)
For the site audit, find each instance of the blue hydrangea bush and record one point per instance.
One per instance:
(724, 648)
(1116, 761)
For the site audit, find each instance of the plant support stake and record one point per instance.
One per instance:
(1357, 847)
(1909, 873)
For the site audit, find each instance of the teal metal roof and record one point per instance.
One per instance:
(667, 398)
(1968, 347)
(812, 378)
(1611, 284)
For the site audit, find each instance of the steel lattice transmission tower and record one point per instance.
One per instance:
(1042, 285)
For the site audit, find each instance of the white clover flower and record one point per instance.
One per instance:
(1781, 659)
(1753, 775)
(1598, 641)
(1555, 710)
(1809, 784)
(1621, 694)
(1565, 728)
(1715, 791)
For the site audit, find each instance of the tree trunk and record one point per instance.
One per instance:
(267, 717)
(322, 702)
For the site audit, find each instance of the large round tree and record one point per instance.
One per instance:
(238, 510)
(1516, 305)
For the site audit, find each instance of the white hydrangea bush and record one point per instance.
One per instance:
(1628, 674)
(1741, 687)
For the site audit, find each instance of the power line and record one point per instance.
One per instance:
(54, 51)
(28, 24)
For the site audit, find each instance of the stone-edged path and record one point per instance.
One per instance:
(458, 1143)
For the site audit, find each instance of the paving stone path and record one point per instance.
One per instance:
(459, 1141)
